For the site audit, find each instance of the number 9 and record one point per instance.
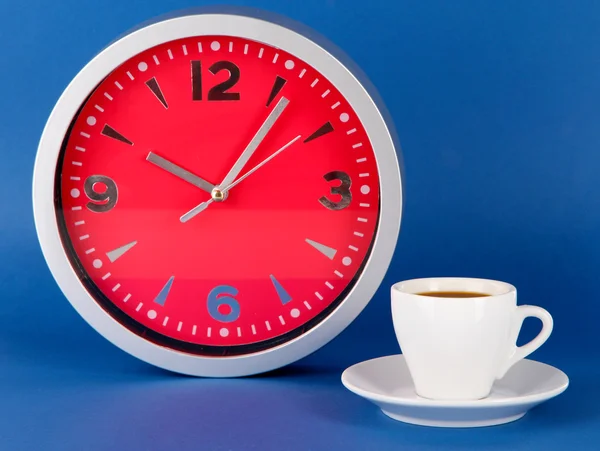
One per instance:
(101, 201)
(216, 299)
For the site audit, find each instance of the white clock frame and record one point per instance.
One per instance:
(271, 33)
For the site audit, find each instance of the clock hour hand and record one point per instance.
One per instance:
(178, 171)
(201, 207)
(254, 143)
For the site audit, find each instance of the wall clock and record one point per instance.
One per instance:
(217, 194)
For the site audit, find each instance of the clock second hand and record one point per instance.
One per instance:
(201, 207)
(262, 163)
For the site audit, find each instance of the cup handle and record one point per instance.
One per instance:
(520, 352)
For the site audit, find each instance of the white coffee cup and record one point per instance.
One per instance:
(455, 348)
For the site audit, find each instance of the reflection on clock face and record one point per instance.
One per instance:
(217, 195)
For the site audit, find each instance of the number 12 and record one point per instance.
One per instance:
(219, 91)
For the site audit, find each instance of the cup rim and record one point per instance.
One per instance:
(498, 287)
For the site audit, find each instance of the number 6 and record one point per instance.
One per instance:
(217, 298)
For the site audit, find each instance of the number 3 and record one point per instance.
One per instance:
(343, 190)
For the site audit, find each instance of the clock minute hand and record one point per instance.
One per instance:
(254, 143)
(178, 171)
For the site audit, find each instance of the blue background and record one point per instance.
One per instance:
(497, 105)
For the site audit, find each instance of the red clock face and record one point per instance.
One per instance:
(217, 195)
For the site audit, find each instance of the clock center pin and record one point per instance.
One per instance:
(218, 195)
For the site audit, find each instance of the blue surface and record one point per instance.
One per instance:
(497, 104)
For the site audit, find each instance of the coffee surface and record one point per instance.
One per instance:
(453, 294)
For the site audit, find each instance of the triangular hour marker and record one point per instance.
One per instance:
(112, 133)
(161, 297)
(155, 88)
(327, 251)
(277, 86)
(323, 130)
(284, 297)
(118, 252)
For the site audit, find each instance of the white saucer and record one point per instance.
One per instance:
(387, 383)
